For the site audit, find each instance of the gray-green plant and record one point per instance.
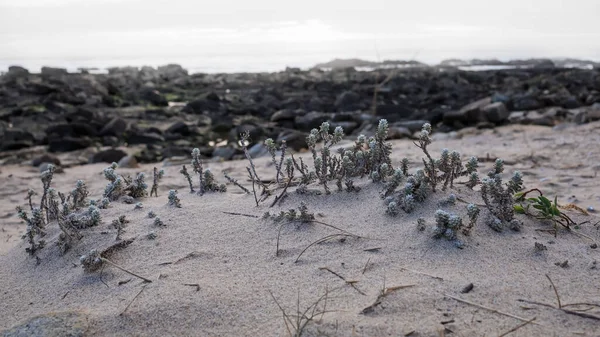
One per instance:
(498, 198)
(157, 176)
(174, 199)
(447, 226)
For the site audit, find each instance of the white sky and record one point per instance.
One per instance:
(60, 29)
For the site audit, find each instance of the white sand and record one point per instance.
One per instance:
(233, 257)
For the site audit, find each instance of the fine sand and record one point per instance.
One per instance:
(216, 274)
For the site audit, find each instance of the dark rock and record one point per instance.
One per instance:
(45, 158)
(207, 103)
(116, 127)
(311, 120)
(171, 72)
(153, 96)
(145, 138)
(107, 156)
(179, 128)
(525, 103)
(54, 72)
(287, 114)
(295, 140)
(348, 101)
(495, 112)
(16, 72)
(68, 143)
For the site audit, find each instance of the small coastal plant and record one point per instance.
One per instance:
(498, 198)
(447, 226)
(174, 199)
(120, 224)
(205, 177)
(158, 175)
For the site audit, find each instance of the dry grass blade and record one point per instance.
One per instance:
(517, 327)
(295, 324)
(382, 294)
(242, 214)
(324, 239)
(422, 273)
(491, 309)
(555, 291)
(350, 283)
(133, 300)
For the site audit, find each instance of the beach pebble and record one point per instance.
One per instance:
(591, 209)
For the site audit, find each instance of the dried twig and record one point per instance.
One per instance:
(242, 214)
(382, 294)
(555, 291)
(350, 283)
(422, 273)
(136, 296)
(492, 310)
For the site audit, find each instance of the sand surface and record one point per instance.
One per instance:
(232, 258)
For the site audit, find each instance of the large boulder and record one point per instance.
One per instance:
(66, 144)
(495, 112)
(116, 127)
(171, 72)
(210, 103)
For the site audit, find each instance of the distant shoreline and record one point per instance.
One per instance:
(35, 66)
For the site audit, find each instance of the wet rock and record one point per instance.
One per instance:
(54, 324)
(107, 156)
(287, 115)
(128, 162)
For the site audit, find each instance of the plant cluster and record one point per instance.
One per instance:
(447, 226)
(498, 198)
(300, 215)
(206, 179)
(119, 186)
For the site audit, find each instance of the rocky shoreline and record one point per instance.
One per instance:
(165, 112)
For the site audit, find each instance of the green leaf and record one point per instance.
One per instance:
(540, 207)
(519, 209)
(546, 201)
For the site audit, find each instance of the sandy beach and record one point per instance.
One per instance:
(218, 274)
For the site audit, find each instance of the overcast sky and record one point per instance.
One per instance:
(430, 29)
